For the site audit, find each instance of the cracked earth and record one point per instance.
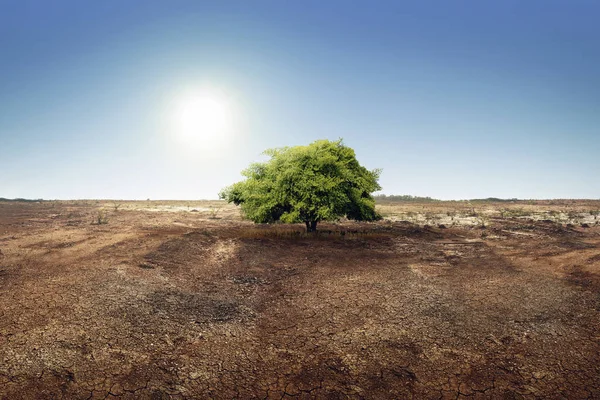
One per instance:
(162, 305)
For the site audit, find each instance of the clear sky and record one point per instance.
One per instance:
(452, 99)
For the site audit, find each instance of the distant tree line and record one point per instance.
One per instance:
(383, 198)
(494, 199)
(406, 198)
(21, 200)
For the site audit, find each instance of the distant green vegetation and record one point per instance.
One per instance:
(22, 200)
(382, 198)
(494, 199)
(406, 198)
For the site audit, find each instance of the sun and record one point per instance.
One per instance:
(203, 118)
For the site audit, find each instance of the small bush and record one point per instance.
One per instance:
(100, 218)
(472, 212)
(483, 222)
(213, 212)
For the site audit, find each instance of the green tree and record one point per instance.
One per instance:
(319, 182)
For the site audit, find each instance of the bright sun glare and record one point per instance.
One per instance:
(203, 118)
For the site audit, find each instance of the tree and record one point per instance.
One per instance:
(319, 182)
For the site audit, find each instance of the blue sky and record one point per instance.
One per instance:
(452, 99)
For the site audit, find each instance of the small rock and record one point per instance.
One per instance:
(582, 225)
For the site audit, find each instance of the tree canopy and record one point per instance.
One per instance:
(319, 182)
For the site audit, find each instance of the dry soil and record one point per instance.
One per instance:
(186, 300)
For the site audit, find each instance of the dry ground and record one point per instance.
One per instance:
(185, 300)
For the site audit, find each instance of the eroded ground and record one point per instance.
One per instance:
(188, 301)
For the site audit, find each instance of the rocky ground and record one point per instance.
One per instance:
(186, 300)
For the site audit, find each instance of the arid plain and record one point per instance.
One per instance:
(149, 299)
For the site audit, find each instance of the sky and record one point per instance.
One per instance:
(452, 99)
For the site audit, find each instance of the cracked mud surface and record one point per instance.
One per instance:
(177, 305)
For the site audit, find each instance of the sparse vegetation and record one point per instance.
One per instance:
(518, 212)
(494, 200)
(483, 221)
(382, 198)
(3, 199)
(472, 212)
(213, 212)
(100, 218)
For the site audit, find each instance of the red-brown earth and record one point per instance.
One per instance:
(178, 303)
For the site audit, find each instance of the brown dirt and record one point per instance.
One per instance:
(160, 304)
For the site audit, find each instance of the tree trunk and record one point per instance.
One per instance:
(311, 226)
